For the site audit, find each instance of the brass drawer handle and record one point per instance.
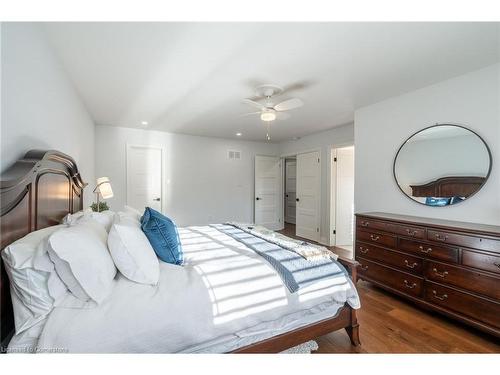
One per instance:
(426, 251)
(410, 265)
(441, 238)
(365, 223)
(363, 250)
(440, 274)
(411, 232)
(374, 238)
(363, 267)
(441, 298)
(407, 284)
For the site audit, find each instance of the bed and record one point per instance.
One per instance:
(235, 302)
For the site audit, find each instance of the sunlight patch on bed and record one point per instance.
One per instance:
(322, 288)
(239, 285)
(236, 294)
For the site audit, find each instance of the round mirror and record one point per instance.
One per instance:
(442, 165)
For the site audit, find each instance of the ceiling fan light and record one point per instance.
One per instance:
(268, 116)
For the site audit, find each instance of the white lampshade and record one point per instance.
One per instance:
(104, 187)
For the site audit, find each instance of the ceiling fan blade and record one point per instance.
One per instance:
(250, 113)
(300, 85)
(282, 115)
(289, 104)
(255, 104)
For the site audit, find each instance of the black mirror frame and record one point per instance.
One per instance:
(433, 126)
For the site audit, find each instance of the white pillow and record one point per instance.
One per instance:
(105, 218)
(71, 219)
(133, 212)
(82, 260)
(132, 253)
(35, 286)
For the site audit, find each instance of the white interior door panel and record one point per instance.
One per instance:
(144, 177)
(308, 196)
(267, 192)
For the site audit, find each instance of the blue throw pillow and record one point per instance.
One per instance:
(163, 235)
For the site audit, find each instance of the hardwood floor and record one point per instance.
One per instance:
(389, 324)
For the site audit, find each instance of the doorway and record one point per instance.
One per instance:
(267, 192)
(290, 192)
(342, 198)
(144, 177)
(301, 195)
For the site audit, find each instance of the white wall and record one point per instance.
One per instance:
(471, 100)
(202, 185)
(40, 107)
(324, 141)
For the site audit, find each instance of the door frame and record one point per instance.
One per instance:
(281, 207)
(284, 177)
(129, 146)
(282, 192)
(331, 180)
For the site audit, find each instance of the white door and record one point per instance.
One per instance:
(344, 201)
(308, 196)
(290, 190)
(144, 177)
(267, 191)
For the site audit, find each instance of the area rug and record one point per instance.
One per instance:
(305, 348)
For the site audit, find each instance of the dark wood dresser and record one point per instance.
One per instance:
(446, 266)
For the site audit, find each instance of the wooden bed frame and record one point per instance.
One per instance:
(44, 186)
(449, 187)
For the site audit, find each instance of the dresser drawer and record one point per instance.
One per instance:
(385, 226)
(377, 238)
(482, 261)
(368, 224)
(401, 281)
(480, 243)
(478, 308)
(399, 260)
(446, 253)
(405, 230)
(463, 278)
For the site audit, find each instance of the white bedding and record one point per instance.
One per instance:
(226, 296)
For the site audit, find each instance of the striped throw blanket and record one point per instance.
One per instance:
(295, 271)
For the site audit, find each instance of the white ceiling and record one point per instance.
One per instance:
(191, 77)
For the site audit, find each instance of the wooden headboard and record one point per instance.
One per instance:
(36, 192)
(448, 187)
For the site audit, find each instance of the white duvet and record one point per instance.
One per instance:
(224, 297)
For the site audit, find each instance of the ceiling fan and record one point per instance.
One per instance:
(269, 111)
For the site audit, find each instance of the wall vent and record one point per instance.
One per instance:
(233, 155)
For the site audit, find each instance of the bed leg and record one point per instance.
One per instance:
(353, 332)
(353, 329)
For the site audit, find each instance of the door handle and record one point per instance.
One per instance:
(257, 199)
(297, 199)
(156, 199)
